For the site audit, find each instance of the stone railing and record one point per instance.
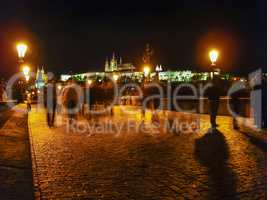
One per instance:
(194, 105)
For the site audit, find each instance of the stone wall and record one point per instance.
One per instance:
(196, 106)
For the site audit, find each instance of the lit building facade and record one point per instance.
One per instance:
(167, 76)
(40, 78)
(127, 71)
(116, 65)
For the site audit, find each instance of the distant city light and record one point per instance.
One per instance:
(89, 82)
(27, 77)
(115, 77)
(159, 68)
(65, 77)
(216, 73)
(146, 71)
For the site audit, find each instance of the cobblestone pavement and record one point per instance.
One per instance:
(5, 114)
(145, 164)
(15, 159)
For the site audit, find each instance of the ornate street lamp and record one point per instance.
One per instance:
(213, 54)
(115, 77)
(26, 71)
(21, 49)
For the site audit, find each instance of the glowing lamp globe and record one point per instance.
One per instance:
(26, 70)
(146, 70)
(89, 82)
(214, 54)
(21, 49)
(115, 77)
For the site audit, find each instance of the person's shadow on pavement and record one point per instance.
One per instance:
(211, 151)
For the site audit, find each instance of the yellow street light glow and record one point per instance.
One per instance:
(89, 81)
(214, 54)
(146, 70)
(26, 70)
(27, 77)
(22, 48)
(59, 87)
(115, 77)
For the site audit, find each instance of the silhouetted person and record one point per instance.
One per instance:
(50, 97)
(214, 92)
(29, 107)
(70, 100)
(212, 151)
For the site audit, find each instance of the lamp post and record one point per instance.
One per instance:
(213, 54)
(21, 50)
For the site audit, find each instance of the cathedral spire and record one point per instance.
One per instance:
(107, 65)
(40, 78)
(37, 73)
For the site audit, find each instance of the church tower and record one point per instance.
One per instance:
(40, 78)
(107, 69)
(113, 63)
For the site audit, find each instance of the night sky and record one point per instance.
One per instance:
(77, 36)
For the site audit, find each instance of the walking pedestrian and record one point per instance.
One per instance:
(50, 97)
(29, 102)
(214, 92)
(71, 100)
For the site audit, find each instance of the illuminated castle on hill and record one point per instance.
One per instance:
(116, 65)
(127, 71)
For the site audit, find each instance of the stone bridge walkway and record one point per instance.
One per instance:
(15, 160)
(136, 163)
